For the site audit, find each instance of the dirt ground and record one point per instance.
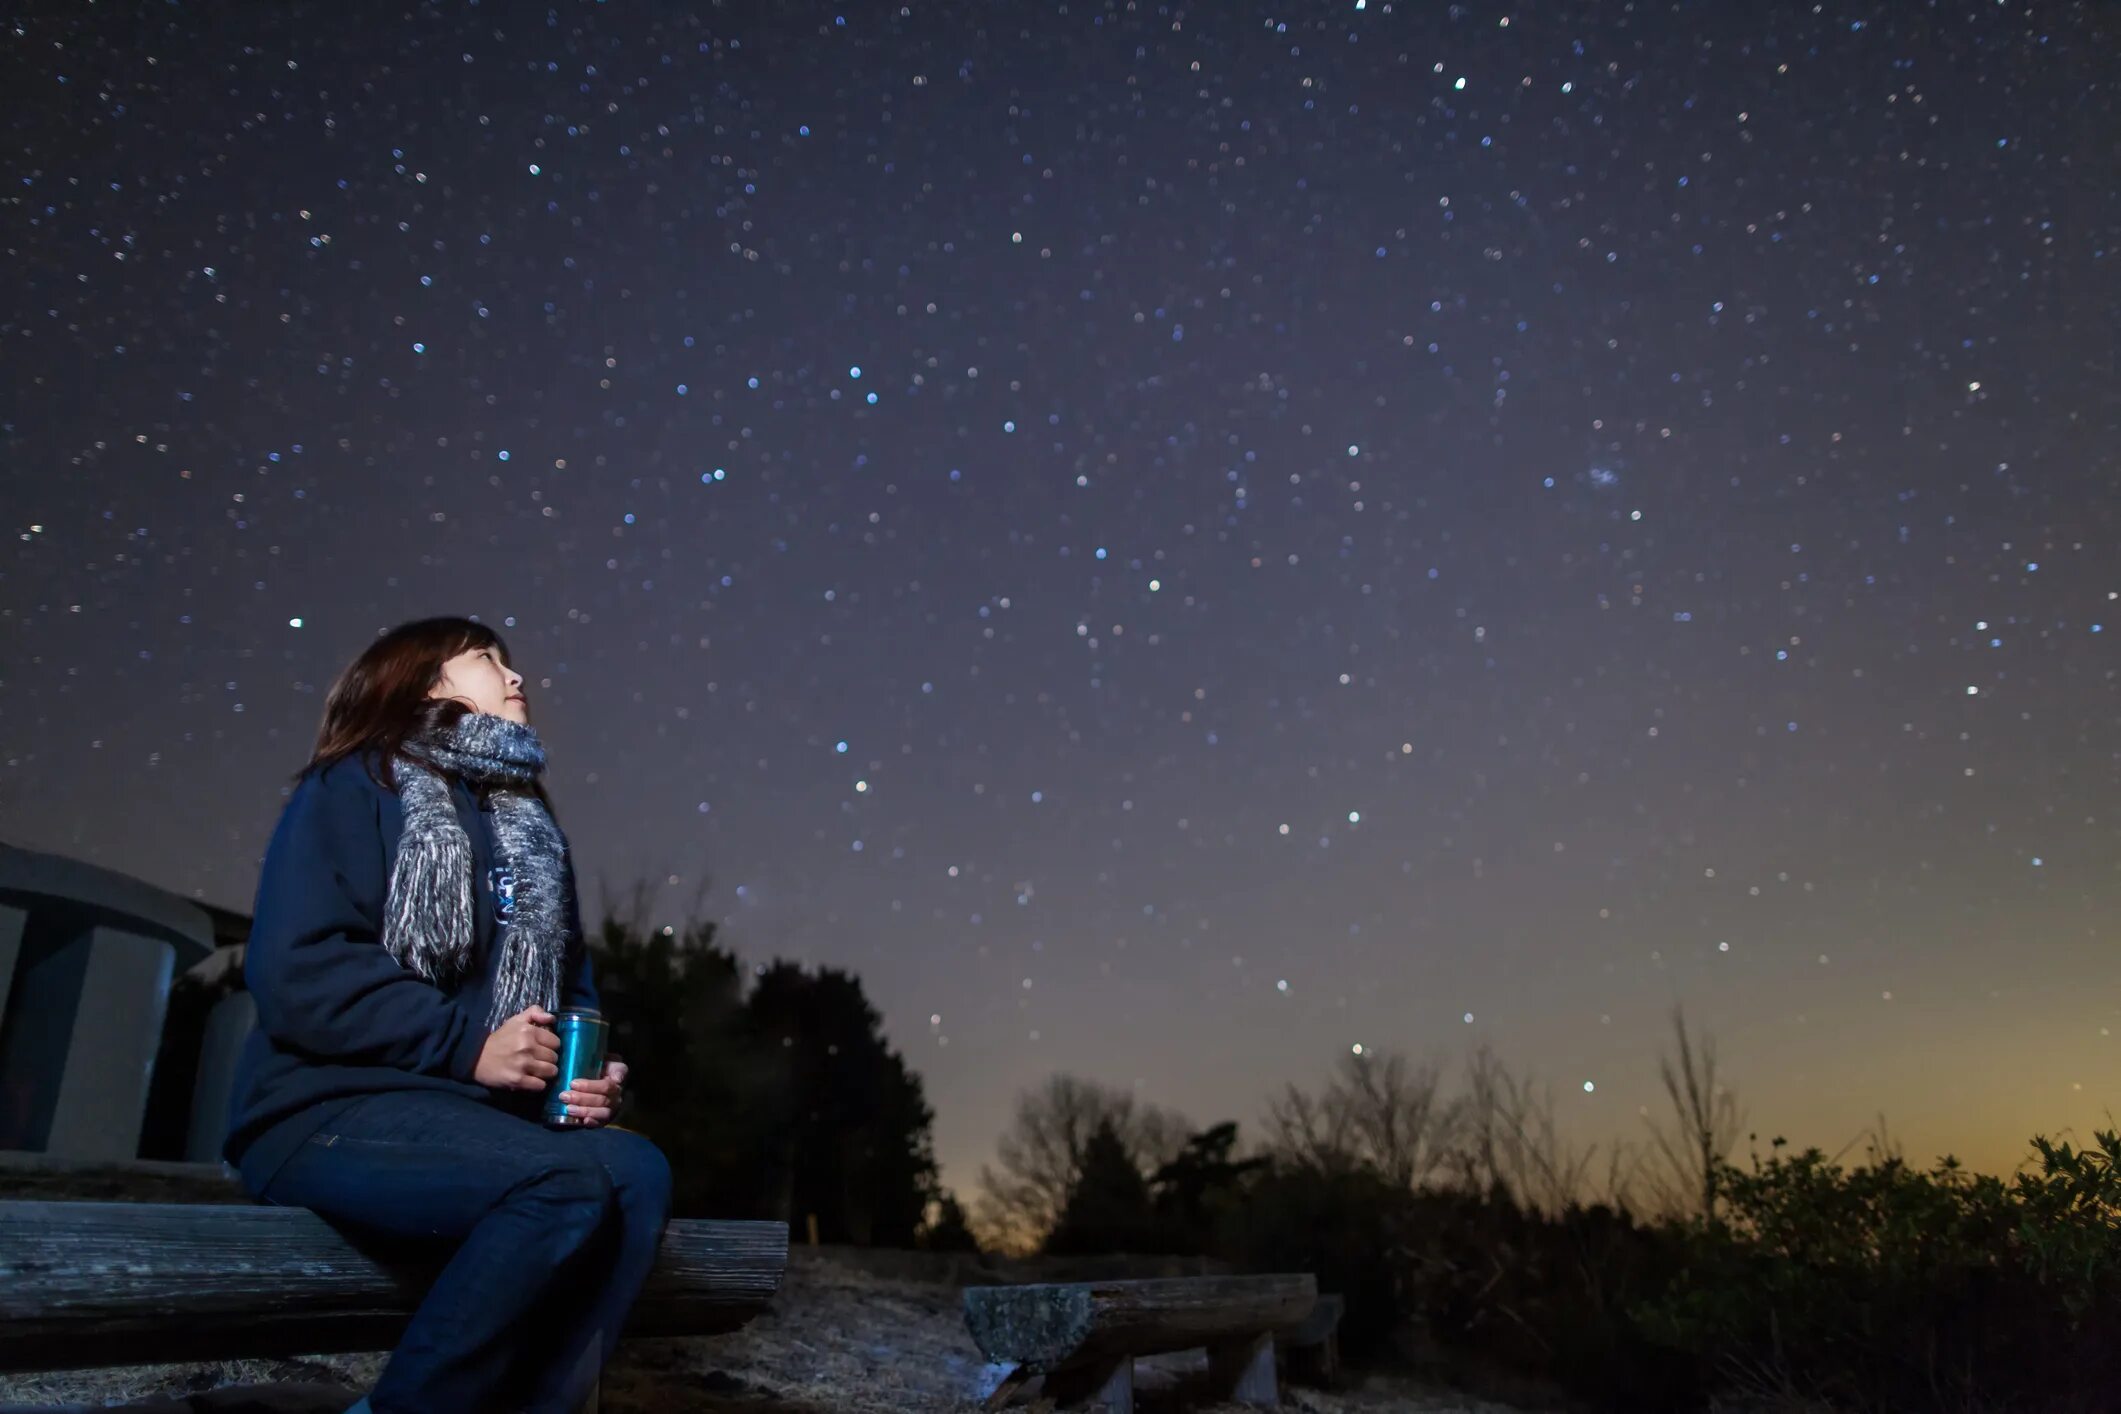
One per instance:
(838, 1341)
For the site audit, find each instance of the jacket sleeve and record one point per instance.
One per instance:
(324, 986)
(581, 987)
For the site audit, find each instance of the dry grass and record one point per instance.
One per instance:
(838, 1341)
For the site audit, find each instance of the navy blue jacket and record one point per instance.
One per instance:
(338, 1017)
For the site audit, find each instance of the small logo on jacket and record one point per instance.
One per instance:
(502, 881)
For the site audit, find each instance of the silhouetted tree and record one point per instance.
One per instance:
(1193, 1190)
(849, 1120)
(948, 1231)
(1040, 1158)
(1509, 1141)
(697, 1086)
(1692, 1148)
(777, 1100)
(1376, 1112)
(1109, 1209)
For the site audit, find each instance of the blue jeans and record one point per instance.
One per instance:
(554, 1230)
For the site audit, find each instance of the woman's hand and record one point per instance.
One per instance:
(596, 1101)
(522, 1053)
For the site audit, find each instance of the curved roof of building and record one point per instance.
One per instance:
(106, 897)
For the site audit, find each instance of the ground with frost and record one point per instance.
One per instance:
(839, 1340)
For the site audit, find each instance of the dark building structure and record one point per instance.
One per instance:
(86, 960)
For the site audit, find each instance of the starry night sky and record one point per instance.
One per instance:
(1174, 541)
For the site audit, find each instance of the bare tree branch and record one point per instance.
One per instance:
(1039, 1158)
(1689, 1150)
(1377, 1111)
(1509, 1139)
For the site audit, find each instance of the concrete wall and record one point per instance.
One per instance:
(15, 1097)
(86, 957)
(110, 1057)
(227, 1027)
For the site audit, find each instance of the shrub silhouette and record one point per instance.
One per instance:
(1349, 1227)
(1890, 1287)
(1792, 1279)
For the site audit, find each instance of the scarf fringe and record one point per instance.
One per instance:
(534, 947)
(428, 923)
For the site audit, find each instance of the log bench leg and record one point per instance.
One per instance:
(1106, 1385)
(1317, 1365)
(1011, 1384)
(1242, 1371)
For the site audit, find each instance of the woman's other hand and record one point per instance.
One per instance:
(522, 1053)
(597, 1101)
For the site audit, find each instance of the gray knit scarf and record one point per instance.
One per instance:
(427, 923)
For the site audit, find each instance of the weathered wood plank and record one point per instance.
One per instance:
(88, 1284)
(1051, 1326)
(277, 1397)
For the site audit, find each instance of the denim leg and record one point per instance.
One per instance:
(586, 1312)
(521, 1205)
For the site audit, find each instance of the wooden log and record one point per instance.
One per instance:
(90, 1284)
(1315, 1365)
(1051, 1326)
(278, 1397)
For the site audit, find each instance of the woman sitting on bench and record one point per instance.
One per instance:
(416, 931)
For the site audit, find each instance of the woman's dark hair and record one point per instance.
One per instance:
(381, 699)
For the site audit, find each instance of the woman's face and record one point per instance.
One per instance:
(478, 678)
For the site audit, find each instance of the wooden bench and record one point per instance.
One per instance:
(94, 1284)
(1082, 1337)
